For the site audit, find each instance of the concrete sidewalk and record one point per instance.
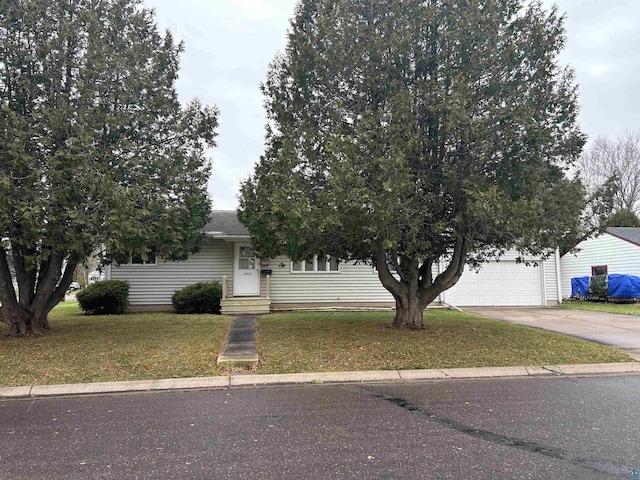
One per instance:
(615, 330)
(241, 347)
(244, 380)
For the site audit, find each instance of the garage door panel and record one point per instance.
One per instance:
(504, 283)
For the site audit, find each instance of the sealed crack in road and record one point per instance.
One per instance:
(611, 469)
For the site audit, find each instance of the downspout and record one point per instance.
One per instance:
(558, 276)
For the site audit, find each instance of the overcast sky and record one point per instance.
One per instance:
(230, 43)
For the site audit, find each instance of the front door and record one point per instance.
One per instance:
(246, 275)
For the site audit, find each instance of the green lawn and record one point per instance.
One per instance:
(162, 345)
(113, 347)
(629, 309)
(338, 341)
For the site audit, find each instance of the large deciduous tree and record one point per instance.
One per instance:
(610, 172)
(616, 161)
(402, 133)
(96, 151)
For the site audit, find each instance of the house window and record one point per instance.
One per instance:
(598, 270)
(137, 259)
(318, 264)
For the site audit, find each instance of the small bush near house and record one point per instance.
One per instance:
(203, 297)
(598, 287)
(104, 298)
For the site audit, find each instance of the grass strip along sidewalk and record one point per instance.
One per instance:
(620, 308)
(103, 348)
(344, 341)
(164, 345)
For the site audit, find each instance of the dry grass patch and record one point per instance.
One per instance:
(625, 309)
(104, 348)
(338, 341)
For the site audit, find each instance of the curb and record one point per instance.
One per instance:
(243, 380)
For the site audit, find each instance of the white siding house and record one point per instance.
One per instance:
(616, 251)
(227, 257)
(153, 284)
(350, 285)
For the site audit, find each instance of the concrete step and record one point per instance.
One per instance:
(246, 301)
(249, 305)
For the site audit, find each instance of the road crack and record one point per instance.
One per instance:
(608, 468)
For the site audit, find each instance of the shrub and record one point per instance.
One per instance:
(104, 298)
(598, 286)
(203, 297)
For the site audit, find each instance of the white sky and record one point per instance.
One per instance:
(230, 43)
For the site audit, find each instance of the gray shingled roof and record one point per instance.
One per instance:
(225, 223)
(630, 234)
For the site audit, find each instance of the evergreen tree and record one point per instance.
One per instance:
(405, 132)
(96, 151)
(624, 218)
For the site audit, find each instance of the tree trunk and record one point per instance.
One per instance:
(416, 288)
(21, 320)
(409, 311)
(28, 313)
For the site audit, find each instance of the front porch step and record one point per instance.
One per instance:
(245, 305)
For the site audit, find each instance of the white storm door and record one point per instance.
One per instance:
(246, 276)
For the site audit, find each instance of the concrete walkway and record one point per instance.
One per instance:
(620, 331)
(241, 348)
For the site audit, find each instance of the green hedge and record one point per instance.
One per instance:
(104, 298)
(203, 297)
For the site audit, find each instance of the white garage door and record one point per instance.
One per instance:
(504, 283)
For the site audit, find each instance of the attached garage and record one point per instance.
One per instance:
(504, 283)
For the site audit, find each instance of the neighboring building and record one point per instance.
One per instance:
(278, 283)
(96, 276)
(615, 251)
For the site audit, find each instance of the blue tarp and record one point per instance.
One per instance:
(620, 286)
(580, 286)
(624, 286)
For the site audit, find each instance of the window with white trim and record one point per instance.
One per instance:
(318, 264)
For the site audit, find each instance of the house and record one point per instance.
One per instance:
(261, 285)
(96, 276)
(615, 251)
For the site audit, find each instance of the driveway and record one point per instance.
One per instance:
(620, 331)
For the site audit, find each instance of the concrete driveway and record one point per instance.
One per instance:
(620, 331)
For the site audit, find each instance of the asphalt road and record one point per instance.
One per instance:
(545, 428)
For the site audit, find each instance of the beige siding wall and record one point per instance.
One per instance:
(360, 283)
(353, 283)
(619, 255)
(154, 284)
(550, 280)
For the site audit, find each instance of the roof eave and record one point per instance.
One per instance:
(620, 237)
(228, 238)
